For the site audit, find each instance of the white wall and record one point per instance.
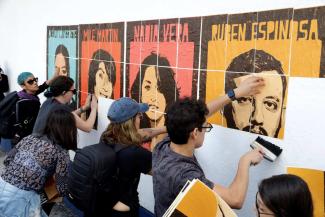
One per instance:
(23, 47)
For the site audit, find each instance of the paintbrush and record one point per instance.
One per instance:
(270, 150)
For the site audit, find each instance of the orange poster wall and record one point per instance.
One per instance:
(315, 182)
(308, 38)
(235, 38)
(102, 38)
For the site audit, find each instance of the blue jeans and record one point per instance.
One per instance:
(77, 212)
(18, 202)
(5, 145)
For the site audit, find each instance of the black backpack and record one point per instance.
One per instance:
(17, 116)
(26, 114)
(8, 115)
(93, 175)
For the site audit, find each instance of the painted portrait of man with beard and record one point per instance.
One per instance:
(262, 113)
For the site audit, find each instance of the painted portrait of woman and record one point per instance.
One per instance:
(62, 67)
(61, 61)
(157, 87)
(102, 74)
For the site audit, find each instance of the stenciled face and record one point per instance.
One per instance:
(60, 65)
(261, 113)
(103, 87)
(30, 85)
(151, 95)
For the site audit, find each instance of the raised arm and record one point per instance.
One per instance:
(87, 125)
(48, 82)
(149, 133)
(248, 87)
(85, 107)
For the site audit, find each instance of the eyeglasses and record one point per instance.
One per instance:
(207, 128)
(258, 209)
(31, 81)
(74, 91)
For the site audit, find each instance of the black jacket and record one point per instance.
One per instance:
(17, 115)
(4, 85)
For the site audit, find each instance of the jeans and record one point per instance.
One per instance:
(5, 145)
(15, 202)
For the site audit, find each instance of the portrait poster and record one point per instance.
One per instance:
(308, 43)
(142, 78)
(101, 60)
(315, 181)
(188, 55)
(178, 43)
(162, 61)
(238, 46)
(213, 60)
(62, 53)
(142, 40)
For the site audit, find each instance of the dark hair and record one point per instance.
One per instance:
(183, 117)
(61, 128)
(286, 195)
(98, 57)
(165, 80)
(64, 51)
(252, 61)
(59, 85)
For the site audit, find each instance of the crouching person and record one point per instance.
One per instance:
(111, 188)
(18, 110)
(33, 161)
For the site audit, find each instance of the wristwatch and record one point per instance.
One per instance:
(231, 95)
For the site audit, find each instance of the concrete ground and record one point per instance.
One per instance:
(58, 210)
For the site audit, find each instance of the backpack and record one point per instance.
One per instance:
(26, 114)
(8, 114)
(93, 172)
(17, 116)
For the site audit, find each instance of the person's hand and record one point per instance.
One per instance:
(54, 76)
(250, 86)
(94, 103)
(254, 156)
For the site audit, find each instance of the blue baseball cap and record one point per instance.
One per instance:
(124, 109)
